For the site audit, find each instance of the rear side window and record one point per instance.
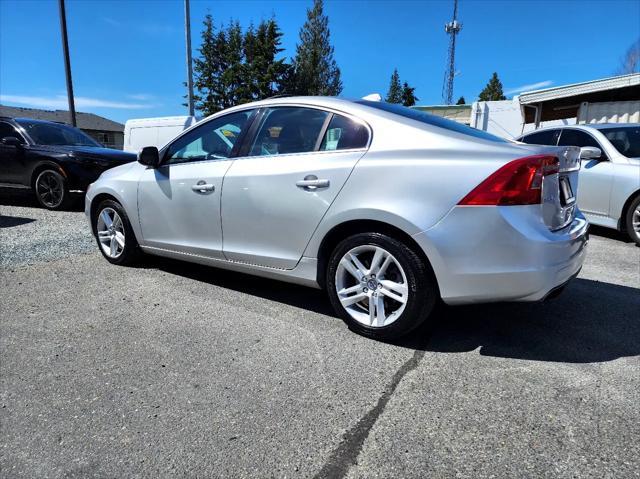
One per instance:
(344, 134)
(288, 130)
(546, 137)
(433, 120)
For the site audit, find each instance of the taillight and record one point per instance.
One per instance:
(516, 183)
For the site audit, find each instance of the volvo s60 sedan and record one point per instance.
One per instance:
(610, 175)
(53, 160)
(387, 208)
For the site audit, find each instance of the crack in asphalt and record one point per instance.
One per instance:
(345, 455)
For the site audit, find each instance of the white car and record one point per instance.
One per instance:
(609, 193)
(387, 208)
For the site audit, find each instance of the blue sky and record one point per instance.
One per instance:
(128, 56)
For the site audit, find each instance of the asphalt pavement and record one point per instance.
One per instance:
(171, 369)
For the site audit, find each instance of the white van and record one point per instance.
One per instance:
(154, 131)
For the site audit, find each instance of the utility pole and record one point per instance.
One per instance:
(452, 29)
(67, 62)
(187, 29)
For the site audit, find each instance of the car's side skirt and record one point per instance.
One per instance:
(15, 186)
(303, 274)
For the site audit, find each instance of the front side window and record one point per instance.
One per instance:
(625, 139)
(579, 138)
(546, 137)
(344, 134)
(53, 134)
(8, 130)
(286, 130)
(213, 140)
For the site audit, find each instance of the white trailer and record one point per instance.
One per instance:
(154, 131)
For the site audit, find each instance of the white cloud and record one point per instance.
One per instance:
(60, 102)
(529, 87)
(140, 97)
(112, 22)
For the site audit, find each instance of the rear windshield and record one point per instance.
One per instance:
(433, 120)
(625, 139)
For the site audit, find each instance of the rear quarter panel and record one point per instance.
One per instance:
(411, 177)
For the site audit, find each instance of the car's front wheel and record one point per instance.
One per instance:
(114, 234)
(632, 220)
(380, 286)
(51, 190)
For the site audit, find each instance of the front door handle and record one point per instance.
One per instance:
(311, 182)
(203, 187)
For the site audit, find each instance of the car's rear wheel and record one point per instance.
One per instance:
(114, 234)
(632, 220)
(51, 189)
(379, 286)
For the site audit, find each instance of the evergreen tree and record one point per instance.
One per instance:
(206, 70)
(235, 67)
(493, 90)
(271, 75)
(408, 96)
(461, 101)
(394, 95)
(315, 71)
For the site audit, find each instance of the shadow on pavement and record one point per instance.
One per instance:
(9, 221)
(609, 233)
(590, 322)
(25, 198)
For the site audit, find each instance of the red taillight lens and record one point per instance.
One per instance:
(516, 183)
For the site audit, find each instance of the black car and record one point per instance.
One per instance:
(52, 159)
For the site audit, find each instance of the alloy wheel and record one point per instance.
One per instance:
(635, 221)
(50, 189)
(110, 229)
(371, 286)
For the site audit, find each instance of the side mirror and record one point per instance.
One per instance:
(149, 156)
(590, 153)
(11, 141)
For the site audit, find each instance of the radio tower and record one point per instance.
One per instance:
(452, 29)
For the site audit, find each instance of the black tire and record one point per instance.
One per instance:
(131, 253)
(51, 189)
(421, 285)
(629, 218)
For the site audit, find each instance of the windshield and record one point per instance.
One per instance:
(433, 120)
(56, 134)
(625, 139)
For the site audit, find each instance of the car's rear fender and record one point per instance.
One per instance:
(409, 189)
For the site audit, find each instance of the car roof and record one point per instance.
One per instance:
(590, 126)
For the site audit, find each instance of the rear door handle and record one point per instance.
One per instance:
(202, 187)
(311, 182)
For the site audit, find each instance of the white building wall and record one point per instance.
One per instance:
(504, 118)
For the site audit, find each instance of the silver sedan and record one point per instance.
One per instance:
(389, 209)
(610, 177)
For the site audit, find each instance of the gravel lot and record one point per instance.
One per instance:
(172, 369)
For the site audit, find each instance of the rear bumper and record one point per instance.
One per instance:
(488, 254)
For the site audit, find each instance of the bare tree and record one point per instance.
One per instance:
(630, 63)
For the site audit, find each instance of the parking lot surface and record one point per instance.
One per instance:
(172, 369)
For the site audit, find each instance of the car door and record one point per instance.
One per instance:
(12, 163)
(273, 198)
(596, 175)
(179, 202)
